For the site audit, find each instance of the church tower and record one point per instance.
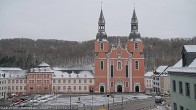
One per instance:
(135, 47)
(101, 49)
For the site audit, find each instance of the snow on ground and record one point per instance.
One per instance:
(162, 108)
(95, 100)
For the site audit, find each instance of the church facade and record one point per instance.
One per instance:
(118, 69)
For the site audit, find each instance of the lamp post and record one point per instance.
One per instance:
(122, 102)
(69, 88)
(113, 96)
(92, 103)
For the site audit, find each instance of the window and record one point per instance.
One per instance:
(175, 106)
(25, 81)
(101, 46)
(112, 71)
(59, 81)
(90, 80)
(79, 81)
(127, 72)
(79, 87)
(16, 87)
(20, 87)
(174, 85)
(16, 81)
(112, 84)
(54, 81)
(64, 87)
(12, 81)
(8, 81)
(64, 81)
(195, 90)
(127, 84)
(69, 81)
(74, 87)
(187, 88)
(136, 46)
(136, 65)
(101, 65)
(181, 108)
(74, 81)
(12, 87)
(119, 65)
(180, 88)
(59, 87)
(53, 87)
(84, 87)
(84, 80)
(24, 87)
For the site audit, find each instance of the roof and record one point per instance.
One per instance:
(82, 74)
(182, 69)
(148, 74)
(10, 68)
(193, 63)
(43, 64)
(190, 48)
(178, 64)
(15, 74)
(41, 69)
(161, 69)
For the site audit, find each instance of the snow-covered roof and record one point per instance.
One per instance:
(41, 69)
(148, 74)
(15, 74)
(193, 63)
(82, 74)
(182, 69)
(190, 48)
(43, 64)
(160, 69)
(10, 68)
(178, 64)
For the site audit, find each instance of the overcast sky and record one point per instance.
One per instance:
(77, 20)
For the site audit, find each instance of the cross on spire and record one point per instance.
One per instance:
(101, 4)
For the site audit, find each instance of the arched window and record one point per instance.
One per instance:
(136, 65)
(101, 65)
(136, 46)
(119, 65)
(101, 46)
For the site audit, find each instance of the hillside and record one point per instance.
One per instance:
(26, 53)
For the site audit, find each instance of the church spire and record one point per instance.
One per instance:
(134, 35)
(101, 28)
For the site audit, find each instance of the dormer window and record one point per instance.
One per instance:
(101, 46)
(69, 75)
(119, 53)
(85, 75)
(136, 46)
(77, 75)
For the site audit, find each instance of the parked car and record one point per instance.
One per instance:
(159, 99)
(16, 100)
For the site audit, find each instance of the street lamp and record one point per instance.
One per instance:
(69, 89)
(113, 96)
(92, 103)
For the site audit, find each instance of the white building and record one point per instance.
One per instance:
(161, 82)
(14, 80)
(148, 81)
(81, 82)
(3, 87)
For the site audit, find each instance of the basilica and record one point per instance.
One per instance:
(118, 69)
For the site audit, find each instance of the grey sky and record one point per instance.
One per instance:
(76, 20)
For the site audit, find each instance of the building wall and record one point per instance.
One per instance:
(16, 85)
(181, 99)
(39, 82)
(77, 85)
(3, 87)
(166, 85)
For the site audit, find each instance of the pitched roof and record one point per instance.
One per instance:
(178, 64)
(10, 68)
(193, 63)
(43, 64)
(190, 48)
(148, 74)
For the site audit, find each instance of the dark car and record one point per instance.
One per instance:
(159, 99)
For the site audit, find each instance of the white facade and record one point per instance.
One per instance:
(78, 83)
(14, 81)
(3, 87)
(148, 80)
